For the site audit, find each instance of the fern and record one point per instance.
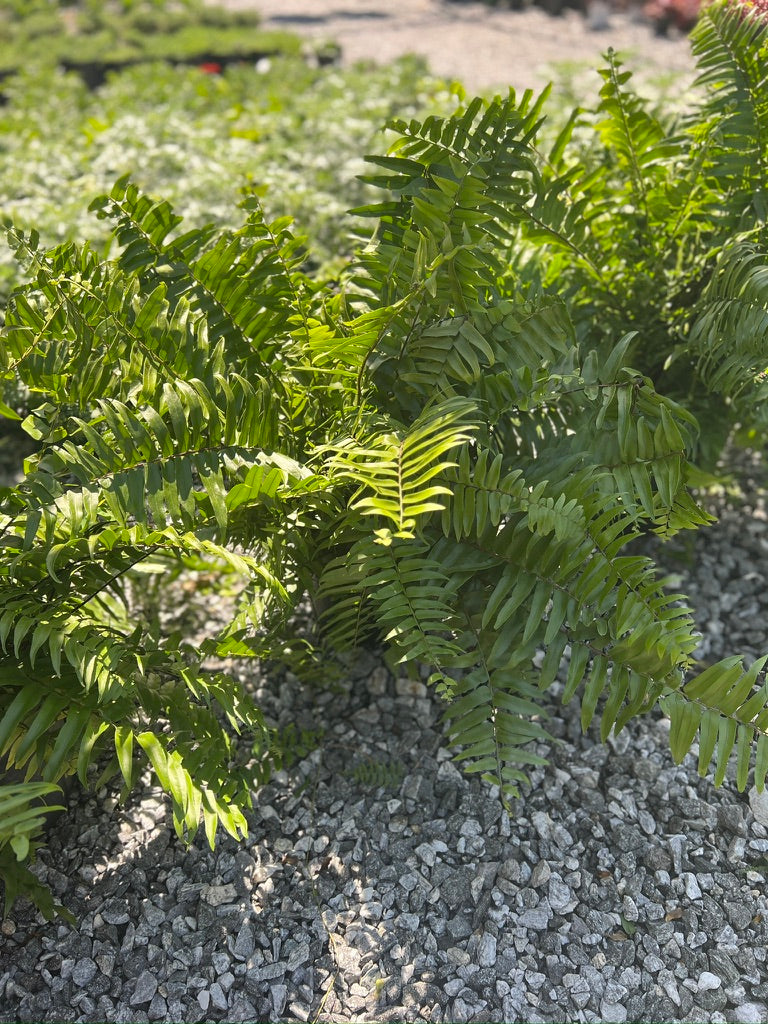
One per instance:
(730, 52)
(376, 774)
(451, 449)
(730, 332)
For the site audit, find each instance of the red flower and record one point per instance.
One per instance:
(210, 67)
(756, 9)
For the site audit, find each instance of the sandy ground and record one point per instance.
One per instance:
(484, 47)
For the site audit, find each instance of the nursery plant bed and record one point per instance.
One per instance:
(94, 72)
(94, 44)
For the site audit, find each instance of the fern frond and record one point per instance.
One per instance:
(730, 332)
(22, 816)
(346, 616)
(413, 609)
(376, 774)
(451, 178)
(635, 138)
(245, 283)
(728, 708)
(729, 46)
(489, 719)
(400, 469)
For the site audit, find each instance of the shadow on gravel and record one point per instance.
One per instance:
(379, 883)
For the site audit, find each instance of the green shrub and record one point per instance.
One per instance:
(450, 450)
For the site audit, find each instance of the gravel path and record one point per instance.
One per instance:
(484, 47)
(379, 883)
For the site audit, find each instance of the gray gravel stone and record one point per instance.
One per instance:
(612, 1012)
(266, 973)
(279, 994)
(218, 998)
(216, 895)
(157, 1009)
(486, 950)
(146, 986)
(541, 874)
(115, 911)
(84, 971)
(561, 899)
(537, 918)
(245, 943)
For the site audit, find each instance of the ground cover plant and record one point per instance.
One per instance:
(295, 132)
(450, 447)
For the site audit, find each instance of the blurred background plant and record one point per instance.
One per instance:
(95, 37)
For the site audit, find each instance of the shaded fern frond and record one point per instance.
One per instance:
(727, 707)
(730, 332)
(492, 714)
(22, 816)
(371, 773)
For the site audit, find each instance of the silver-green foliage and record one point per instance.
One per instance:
(452, 453)
(294, 132)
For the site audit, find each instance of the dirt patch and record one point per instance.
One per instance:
(484, 47)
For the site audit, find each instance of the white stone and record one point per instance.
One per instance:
(708, 981)
(758, 803)
(692, 887)
(749, 1013)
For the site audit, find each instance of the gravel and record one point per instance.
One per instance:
(379, 883)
